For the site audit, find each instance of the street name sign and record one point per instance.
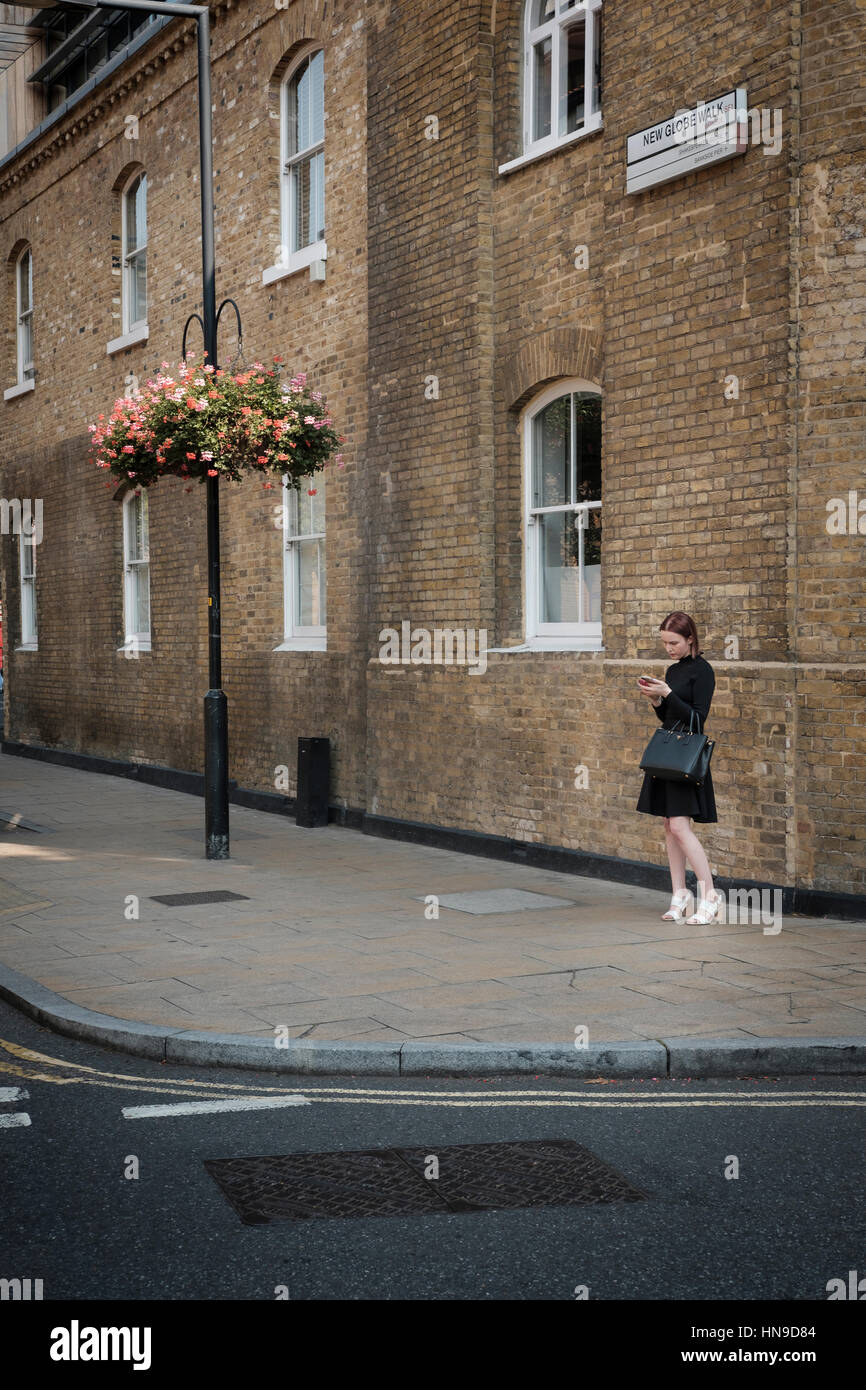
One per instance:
(690, 139)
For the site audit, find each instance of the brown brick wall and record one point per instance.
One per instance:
(439, 266)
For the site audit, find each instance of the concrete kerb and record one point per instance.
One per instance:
(676, 1057)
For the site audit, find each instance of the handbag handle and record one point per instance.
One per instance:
(694, 715)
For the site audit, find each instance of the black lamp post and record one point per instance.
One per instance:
(215, 704)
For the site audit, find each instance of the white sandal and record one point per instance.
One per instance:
(680, 903)
(708, 910)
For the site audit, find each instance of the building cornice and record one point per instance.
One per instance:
(128, 78)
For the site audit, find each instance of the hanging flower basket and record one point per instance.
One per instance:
(202, 423)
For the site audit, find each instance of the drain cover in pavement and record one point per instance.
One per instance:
(194, 899)
(392, 1182)
(484, 900)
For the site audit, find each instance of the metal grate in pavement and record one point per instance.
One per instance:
(483, 901)
(195, 899)
(392, 1182)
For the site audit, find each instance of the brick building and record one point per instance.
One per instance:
(589, 372)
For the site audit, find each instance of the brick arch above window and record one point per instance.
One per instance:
(567, 351)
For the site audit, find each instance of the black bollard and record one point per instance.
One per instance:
(314, 774)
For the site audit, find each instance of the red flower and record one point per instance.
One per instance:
(190, 456)
(211, 472)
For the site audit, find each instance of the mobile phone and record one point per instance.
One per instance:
(645, 680)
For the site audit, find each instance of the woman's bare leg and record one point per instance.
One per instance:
(690, 845)
(676, 858)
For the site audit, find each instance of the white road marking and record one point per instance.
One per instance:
(15, 1121)
(8, 1093)
(209, 1107)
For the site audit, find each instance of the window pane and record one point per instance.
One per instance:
(27, 559)
(559, 578)
(141, 599)
(317, 98)
(25, 280)
(301, 174)
(307, 112)
(311, 510)
(541, 109)
(138, 287)
(28, 612)
(139, 541)
(542, 10)
(572, 108)
(587, 429)
(591, 589)
(26, 341)
(136, 215)
(551, 453)
(310, 607)
(317, 197)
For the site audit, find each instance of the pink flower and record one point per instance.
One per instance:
(190, 456)
(212, 472)
(127, 449)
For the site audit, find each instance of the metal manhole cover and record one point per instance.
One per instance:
(483, 901)
(392, 1182)
(194, 899)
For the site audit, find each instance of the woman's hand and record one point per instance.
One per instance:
(657, 689)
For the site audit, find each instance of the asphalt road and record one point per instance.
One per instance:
(790, 1222)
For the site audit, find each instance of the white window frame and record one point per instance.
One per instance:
(25, 371)
(296, 636)
(29, 628)
(566, 15)
(126, 256)
(551, 636)
(290, 261)
(133, 640)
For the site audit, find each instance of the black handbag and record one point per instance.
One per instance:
(679, 755)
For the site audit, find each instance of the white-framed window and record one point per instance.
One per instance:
(134, 253)
(27, 563)
(562, 486)
(136, 573)
(302, 166)
(304, 565)
(25, 371)
(561, 73)
(24, 279)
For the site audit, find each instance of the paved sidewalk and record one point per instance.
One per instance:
(332, 941)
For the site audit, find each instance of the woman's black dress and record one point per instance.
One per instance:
(692, 683)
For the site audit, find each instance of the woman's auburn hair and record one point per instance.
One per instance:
(684, 624)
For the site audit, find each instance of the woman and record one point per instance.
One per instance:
(686, 689)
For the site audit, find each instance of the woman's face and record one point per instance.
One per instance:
(675, 645)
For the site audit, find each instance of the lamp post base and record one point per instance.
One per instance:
(216, 775)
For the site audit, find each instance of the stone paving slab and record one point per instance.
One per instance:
(333, 943)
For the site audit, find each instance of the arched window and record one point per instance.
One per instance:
(21, 265)
(27, 572)
(562, 443)
(134, 255)
(136, 573)
(302, 194)
(24, 280)
(562, 71)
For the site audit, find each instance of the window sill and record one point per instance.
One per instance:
(133, 647)
(544, 149)
(19, 389)
(135, 335)
(552, 644)
(28, 647)
(303, 644)
(299, 260)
